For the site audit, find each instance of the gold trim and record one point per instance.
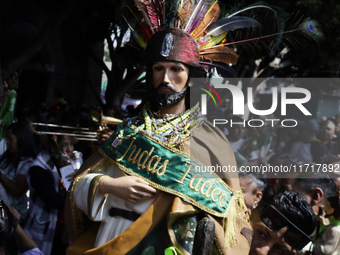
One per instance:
(165, 189)
(92, 191)
(76, 213)
(183, 153)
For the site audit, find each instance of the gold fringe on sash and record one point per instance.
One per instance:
(235, 206)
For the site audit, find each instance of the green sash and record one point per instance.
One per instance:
(169, 170)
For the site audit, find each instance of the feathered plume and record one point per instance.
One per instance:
(273, 21)
(245, 27)
(226, 55)
(308, 29)
(231, 24)
(199, 17)
(184, 12)
(142, 8)
(155, 13)
(210, 17)
(170, 13)
(303, 32)
(145, 29)
(193, 15)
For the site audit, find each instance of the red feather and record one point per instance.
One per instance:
(146, 31)
(155, 13)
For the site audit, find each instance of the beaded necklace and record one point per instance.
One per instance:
(172, 129)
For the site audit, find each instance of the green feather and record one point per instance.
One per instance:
(214, 40)
(171, 12)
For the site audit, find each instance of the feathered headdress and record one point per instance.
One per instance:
(217, 33)
(201, 19)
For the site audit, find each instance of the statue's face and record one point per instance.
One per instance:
(169, 77)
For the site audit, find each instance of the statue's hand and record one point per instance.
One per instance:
(129, 188)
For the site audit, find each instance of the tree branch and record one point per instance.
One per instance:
(111, 49)
(98, 61)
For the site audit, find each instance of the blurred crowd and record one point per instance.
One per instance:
(302, 205)
(303, 158)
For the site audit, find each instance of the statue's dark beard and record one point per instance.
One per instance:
(169, 99)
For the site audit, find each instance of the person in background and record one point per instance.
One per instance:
(244, 146)
(9, 226)
(317, 189)
(337, 119)
(67, 144)
(282, 224)
(7, 107)
(309, 149)
(328, 137)
(45, 223)
(281, 180)
(254, 189)
(14, 165)
(333, 163)
(285, 139)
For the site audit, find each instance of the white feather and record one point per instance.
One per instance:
(193, 15)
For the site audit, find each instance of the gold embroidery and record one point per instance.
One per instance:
(92, 191)
(206, 193)
(134, 159)
(163, 167)
(121, 158)
(220, 200)
(186, 172)
(75, 211)
(159, 171)
(155, 165)
(213, 193)
(217, 249)
(216, 192)
(148, 154)
(191, 182)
